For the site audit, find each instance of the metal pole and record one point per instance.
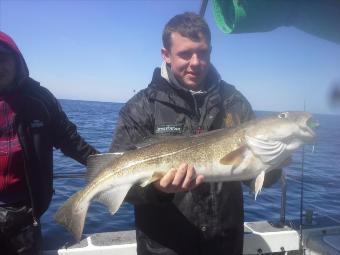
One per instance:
(0, 14)
(283, 198)
(301, 200)
(203, 8)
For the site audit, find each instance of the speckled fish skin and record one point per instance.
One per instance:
(246, 152)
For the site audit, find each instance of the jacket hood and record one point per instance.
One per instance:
(213, 78)
(163, 89)
(8, 43)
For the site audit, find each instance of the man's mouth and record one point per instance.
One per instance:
(192, 74)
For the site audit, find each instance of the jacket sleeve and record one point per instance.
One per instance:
(135, 124)
(66, 137)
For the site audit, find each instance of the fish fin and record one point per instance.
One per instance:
(151, 140)
(97, 162)
(270, 152)
(257, 183)
(114, 197)
(234, 158)
(155, 177)
(72, 215)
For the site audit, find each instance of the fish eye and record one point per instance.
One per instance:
(282, 115)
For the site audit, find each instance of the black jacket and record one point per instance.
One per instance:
(208, 219)
(42, 125)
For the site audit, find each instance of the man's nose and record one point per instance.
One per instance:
(194, 59)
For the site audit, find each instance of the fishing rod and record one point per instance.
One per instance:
(69, 176)
(283, 181)
(302, 191)
(301, 199)
(77, 175)
(0, 14)
(203, 7)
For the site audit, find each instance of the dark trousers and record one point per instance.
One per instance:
(228, 243)
(18, 233)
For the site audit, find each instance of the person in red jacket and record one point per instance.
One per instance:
(32, 122)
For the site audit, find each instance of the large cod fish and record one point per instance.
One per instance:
(243, 153)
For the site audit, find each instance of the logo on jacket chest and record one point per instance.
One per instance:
(169, 129)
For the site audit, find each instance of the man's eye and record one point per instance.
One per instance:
(203, 54)
(185, 55)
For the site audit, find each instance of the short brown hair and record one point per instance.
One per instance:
(189, 25)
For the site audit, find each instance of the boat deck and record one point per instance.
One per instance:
(320, 236)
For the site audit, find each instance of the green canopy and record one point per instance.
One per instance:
(317, 17)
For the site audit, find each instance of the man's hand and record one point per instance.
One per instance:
(179, 180)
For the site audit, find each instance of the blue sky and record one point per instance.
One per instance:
(106, 51)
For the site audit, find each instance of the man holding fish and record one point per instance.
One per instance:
(175, 212)
(179, 214)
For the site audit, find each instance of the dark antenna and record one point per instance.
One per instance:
(302, 192)
(301, 200)
(283, 181)
(0, 14)
(203, 8)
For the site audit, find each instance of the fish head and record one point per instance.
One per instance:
(273, 139)
(284, 126)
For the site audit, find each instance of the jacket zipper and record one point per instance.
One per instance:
(23, 145)
(5, 112)
(200, 129)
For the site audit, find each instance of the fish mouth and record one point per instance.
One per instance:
(310, 125)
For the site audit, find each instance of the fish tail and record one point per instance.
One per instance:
(72, 214)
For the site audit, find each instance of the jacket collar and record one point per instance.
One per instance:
(165, 89)
(213, 78)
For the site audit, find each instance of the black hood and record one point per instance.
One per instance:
(7, 44)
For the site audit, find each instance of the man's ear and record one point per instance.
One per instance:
(166, 55)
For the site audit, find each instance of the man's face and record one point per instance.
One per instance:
(189, 60)
(7, 70)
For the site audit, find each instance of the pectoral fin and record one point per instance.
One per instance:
(155, 177)
(257, 183)
(234, 158)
